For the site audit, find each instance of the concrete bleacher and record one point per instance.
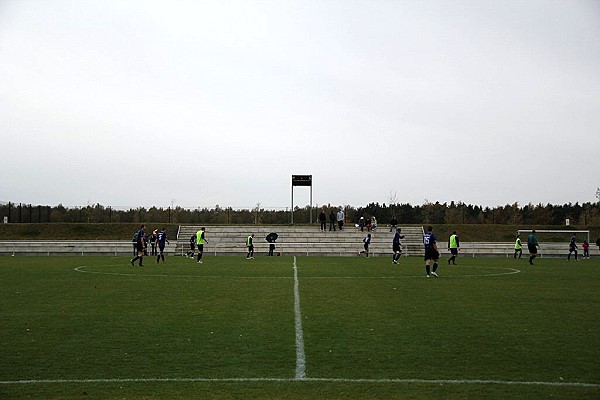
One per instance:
(298, 240)
(293, 240)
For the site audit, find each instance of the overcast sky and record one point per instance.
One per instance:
(199, 103)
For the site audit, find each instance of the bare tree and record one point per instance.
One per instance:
(393, 202)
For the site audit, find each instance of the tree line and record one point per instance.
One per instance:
(586, 214)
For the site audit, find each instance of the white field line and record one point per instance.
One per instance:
(510, 271)
(300, 355)
(82, 269)
(327, 380)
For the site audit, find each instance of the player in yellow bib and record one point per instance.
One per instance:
(200, 240)
(453, 246)
(518, 247)
(250, 246)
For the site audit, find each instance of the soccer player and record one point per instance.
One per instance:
(431, 252)
(190, 253)
(453, 246)
(366, 243)
(161, 240)
(532, 245)
(573, 248)
(200, 240)
(152, 239)
(250, 246)
(586, 249)
(518, 247)
(140, 242)
(396, 247)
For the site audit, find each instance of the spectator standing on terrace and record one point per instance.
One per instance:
(431, 252)
(140, 242)
(323, 220)
(373, 223)
(271, 239)
(393, 223)
(200, 240)
(518, 247)
(572, 248)
(250, 246)
(396, 247)
(332, 221)
(453, 246)
(161, 239)
(532, 246)
(340, 219)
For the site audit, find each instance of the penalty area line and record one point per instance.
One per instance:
(305, 379)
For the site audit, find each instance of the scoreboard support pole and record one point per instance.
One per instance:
(301, 180)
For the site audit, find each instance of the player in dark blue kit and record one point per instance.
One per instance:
(396, 246)
(431, 252)
(366, 243)
(140, 242)
(162, 240)
(572, 248)
(190, 254)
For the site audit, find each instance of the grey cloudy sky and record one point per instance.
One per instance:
(198, 103)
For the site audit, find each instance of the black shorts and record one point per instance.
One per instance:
(431, 254)
(532, 249)
(200, 247)
(396, 248)
(454, 251)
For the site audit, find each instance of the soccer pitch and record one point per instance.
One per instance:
(305, 327)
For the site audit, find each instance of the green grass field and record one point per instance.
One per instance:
(285, 328)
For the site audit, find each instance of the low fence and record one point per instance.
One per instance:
(65, 248)
(125, 248)
(507, 250)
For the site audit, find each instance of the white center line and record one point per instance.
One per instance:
(300, 356)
